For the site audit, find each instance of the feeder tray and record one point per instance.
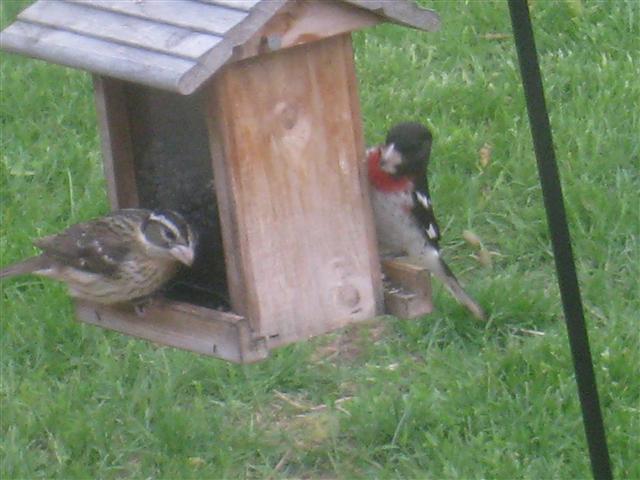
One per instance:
(244, 116)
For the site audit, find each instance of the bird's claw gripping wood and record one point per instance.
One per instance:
(407, 288)
(403, 208)
(126, 255)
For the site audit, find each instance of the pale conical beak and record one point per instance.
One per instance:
(388, 151)
(183, 254)
(390, 158)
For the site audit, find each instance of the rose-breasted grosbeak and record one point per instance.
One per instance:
(405, 222)
(123, 256)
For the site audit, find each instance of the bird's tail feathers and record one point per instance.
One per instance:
(30, 265)
(451, 282)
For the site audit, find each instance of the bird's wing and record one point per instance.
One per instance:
(423, 213)
(92, 246)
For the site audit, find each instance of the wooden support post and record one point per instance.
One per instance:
(408, 293)
(117, 150)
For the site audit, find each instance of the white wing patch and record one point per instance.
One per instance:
(423, 199)
(431, 232)
(99, 249)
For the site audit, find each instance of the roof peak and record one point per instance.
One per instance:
(177, 45)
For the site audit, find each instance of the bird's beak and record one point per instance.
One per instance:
(390, 158)
(183, 253)
(388, 151)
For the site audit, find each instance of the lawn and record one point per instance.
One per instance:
(440, 397)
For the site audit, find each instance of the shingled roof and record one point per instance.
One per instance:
(175, 45)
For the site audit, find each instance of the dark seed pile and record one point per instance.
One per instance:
(173, 170)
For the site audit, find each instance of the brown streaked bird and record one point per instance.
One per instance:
(125, 255)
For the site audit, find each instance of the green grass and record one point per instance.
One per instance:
(442, 397)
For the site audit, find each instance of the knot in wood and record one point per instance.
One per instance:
(287, 114)
(347, 296)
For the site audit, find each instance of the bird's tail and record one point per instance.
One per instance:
(451, 282)
(23, 267)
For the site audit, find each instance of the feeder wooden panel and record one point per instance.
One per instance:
(287, 156)
(271, 117)
(301, 22)
(156, 151)
(117, 150)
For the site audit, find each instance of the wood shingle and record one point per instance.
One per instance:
(244, 116)
(175, 45)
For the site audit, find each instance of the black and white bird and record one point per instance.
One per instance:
(124, 256)
(403, 210)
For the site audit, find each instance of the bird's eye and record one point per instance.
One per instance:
(169, 235)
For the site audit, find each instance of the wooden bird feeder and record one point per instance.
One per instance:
(244, 116)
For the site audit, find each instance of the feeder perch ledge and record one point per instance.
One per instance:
(244, 116)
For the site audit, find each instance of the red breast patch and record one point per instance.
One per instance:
(382, 180)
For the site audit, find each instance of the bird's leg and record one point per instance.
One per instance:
(140, 305)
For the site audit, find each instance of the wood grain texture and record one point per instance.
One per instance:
(303, 21)
(406, 13)
(198, 16)
(245, 5)
(97, 56)
(298, 234)
(201, 330)
(178, 45)
(121, 28)
(115, 136)
(408, 293)
(363, 174)
(221, 122)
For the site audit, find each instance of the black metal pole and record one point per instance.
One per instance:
(560, 239)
